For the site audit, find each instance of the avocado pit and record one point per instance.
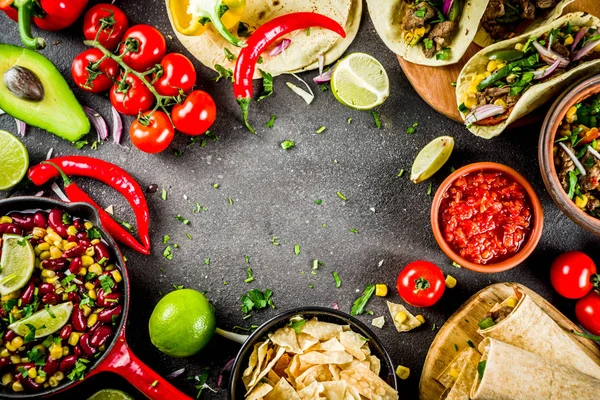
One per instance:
(24, 84)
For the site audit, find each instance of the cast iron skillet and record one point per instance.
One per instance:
(118, 357)
(237, 390)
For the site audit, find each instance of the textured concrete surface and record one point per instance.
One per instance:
(273, 193)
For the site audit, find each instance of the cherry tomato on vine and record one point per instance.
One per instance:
(153, 133)
(58, 14)
(571, 274)
(178, 73)
(110, 19)
(196, 114)
(144, 45)
(421, 284)
(132, 97)
(92, 80)
(587, 311)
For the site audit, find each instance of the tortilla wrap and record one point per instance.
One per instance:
(537, 94)
(388, 15)
(450, 374)
(302, 53)
(512, 373)
(483, 39)
(531, 329)
(461, 387)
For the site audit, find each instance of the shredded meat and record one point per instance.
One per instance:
(494, 10)
(411, 21)
(591, 180)
(560, 49)
(500, 314)
(564, 165)
(592, 203)
(441, 34)
(528, 9)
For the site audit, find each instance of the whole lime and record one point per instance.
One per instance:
(182, 323)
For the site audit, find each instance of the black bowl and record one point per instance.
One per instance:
(236, 387)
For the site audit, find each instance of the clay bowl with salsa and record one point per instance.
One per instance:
(576, 194)
(486, 217)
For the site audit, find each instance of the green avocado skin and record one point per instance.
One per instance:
(59, 112)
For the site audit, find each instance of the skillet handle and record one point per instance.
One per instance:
(123, 362)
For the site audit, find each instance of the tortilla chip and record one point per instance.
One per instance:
(352, 393)
(252, 361)
(259, 391)
(461, 388)
(326, 357)
(286, 338)
(268, 367)
(282, 391)
(330, 345)
(375, 364)
(365, 349)
(334, 390)
(320, 373)
(368, 384)
(352, 343)
(411, 321)
(311, 392)
(335, 372)
(262, 354)
(305, 341)
(448, 376)
(323, 331)
(282, 364)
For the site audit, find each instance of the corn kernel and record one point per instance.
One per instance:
(70, 245)
(52, 280)
(71, 230)
(74, 338)
(471, 102)
(89, 285)
(512, 302)
(95, 269)
(45, 255)
(17, 387)
(400, 317)
(408, 37)
(32, 372)
(48, 273)
(472, 89)
(53, 236)
(86, 261)
(92, 294)
(402, 372)
(109, 267)
(88, 225)
(53, 382)
(17, 342)
(95, 241)
(420, 31)
(92, 319)
(58, 244)
(55, 252)
(37, 251)
(7, 379)
(581, 201)
(491, 67)
(56, 352)
(500, 102)
(450, 281)
(571, 115)
(86, 310)
(568, 40)
(4, 352)
(59, 376)
(65, 296)
(40, 379)
(420, 318)
(6, 220)
(519, 46)
(82, 271)
(65, 350)
(90, 252)
(381, 290)
(15, 359)
(10, 347)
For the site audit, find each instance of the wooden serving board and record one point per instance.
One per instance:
(434, 84)
(463, 325)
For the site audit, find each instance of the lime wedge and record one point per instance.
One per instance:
(14, 160)
(45, 322)
(17, 263)
(431, 158)
(110, 394)
(359, 81)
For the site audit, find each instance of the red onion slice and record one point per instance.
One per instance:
(447, 6)
(98, 122)
(21, 127)
(585, 50)
(578, 38)
(176, 373)
(550, 56)
(594, 152)
(483, 112)
(546, 71)
(117, 123)
(61, 195)
(280, 47)
(40, 194)
(572, 156)
(324, 77)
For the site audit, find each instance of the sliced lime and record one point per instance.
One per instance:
(431, 158)
(359, 81)
(17, 263)
(45, 322)
(14, 160)
(110, 394)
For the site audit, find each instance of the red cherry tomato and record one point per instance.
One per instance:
(196, 114)
(154, 134)
(131, 99)
(59, 14)
(421, 284)
(587, 311)
(110, 19)
(571, 274)
(104, 75)
(145, 47)
(178, 74)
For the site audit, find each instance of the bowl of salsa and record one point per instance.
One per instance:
(486, 217)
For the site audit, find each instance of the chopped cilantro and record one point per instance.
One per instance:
(271, 122)
(78, 371)
(94, 233)
(166, 239)
(275, 240)
(168, 253)
(341, 196)
(376, 119)
(321, 129)
(178, 287)
(360, 303)
(215, 185)
(228, 54)
(429, 188)
(311, 286)
(267, 85)
(182, 219)
(297, 324)
(247, 259)
(287, 144)
(107, 283)
(353, 230)
(250, 276)
(207, 261)
(336, 277)
(223, 73)
(80, 143)
(349, 120)
(443, 55)
(401, 173)
(257, 300)
(164, 194)
(428, 43)
(296, 249)
(200, 381)
(412, 129)
(318, 202)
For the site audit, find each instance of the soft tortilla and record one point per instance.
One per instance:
(515, 374)
(468, 372)
(304, 50)
(387, 16)
(537, 94)
(531, 329)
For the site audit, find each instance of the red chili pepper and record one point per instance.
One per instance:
(262, 38)
(49, 15)
(110, 174)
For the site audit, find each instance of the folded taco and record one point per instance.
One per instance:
(509, 79)
(427, 32)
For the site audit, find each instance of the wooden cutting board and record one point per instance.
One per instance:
(463, 325)
(434, 84)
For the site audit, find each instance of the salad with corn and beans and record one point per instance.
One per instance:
(577, 156)
(60, 315)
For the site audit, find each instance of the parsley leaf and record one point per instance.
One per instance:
(223, 73)
(257, 300)
(360, 303)
(228, 54)
(297, 324)
(271, 122)
(336, 277)
(287, 144)
(267, 85)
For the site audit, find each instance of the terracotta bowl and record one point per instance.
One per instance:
(575, 94)
(526, 249)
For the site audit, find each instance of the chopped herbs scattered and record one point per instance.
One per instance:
(200, 381)
(168, 253)
(164, 194)
(321, 129)
(376, 119)
(401, 172)
(287, 144)
(456, 265)
(250, 276)
(341, 196)
(349, 120)
(336, 277)
(429, 188)
(311, 286)
(189, 236)
(443, 55)
(296, 249)
(166, 239)
(318, 202)
(247, 259)
(107, 283)
(228, 54)
(230, 200)
(271, 122)
(207, 261)
(257, 300)
(80, 143)
(455, 347)
(267, 85)
(297, 324)
(353, 230)
(215, 185)
(78, 371)
(223, 73)
(360, 303)
(275, 240)
(182, 219)
(412, 129)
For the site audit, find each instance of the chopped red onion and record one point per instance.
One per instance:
(176, 373)
(49, 154)
(447, 6)
(324, 77)
(550, 56)
(541, 74)
(573, 157)
(61, 195)
(228, 366)
(281, 46)
(483, 112)
(335, 306)
(585, 50)
(578, 37)
(21, 127)
(98, 122)
(39, 194)
(594, 152)
(117, 123)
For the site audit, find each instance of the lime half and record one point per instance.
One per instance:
(431, 158)
(17, 263)
(45, 322)
(14, 160)
(359, 81)
(110, 394)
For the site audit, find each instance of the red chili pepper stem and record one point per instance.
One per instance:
(26, 8)
(262, 38)
(66, 181)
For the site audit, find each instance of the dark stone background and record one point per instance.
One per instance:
(273, 193)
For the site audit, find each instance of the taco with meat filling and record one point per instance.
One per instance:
(509, 79)
(427, 32)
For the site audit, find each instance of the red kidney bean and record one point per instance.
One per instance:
(77, 351)
(27, 294)
(75, 265)
(65, 331)
(74, 252)
(30, 384)
(107, 314)
(85, 243)
(93, 329)
(84, 342)
(101, 251)
(10, 228)
(78, 224)
(72, 239)
(78, 319)
(73, 297)
(40, 220)
(4, 362)
(25, 366)
(55, 220)
(55, 264)
(51, 365)
(107, 300)
(81, 235)
(100, 336)
(9, 335)
(45, 288)
(24, 221)
(67, 363)
(51, 298)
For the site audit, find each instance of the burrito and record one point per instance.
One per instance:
(506, 372)
(509, 79)
(299, 51)
(522, 323)
(460, 374)
(434, 33)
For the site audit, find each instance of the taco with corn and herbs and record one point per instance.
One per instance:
(509, 79)
(427, 32)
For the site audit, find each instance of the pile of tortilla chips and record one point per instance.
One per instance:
(315, 360)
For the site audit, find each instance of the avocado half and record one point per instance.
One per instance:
(58, 112)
